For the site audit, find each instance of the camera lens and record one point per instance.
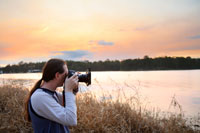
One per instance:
(81, 77)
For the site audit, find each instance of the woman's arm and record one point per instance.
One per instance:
(45, 105)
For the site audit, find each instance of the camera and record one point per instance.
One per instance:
(86, 78)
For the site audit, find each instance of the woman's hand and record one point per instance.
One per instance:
(71, 83)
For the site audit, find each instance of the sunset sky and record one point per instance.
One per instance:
(36, 30)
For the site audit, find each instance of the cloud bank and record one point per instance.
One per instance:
(72, 55)
(194, 37)
(101, 42)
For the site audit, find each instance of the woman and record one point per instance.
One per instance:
(44, 106)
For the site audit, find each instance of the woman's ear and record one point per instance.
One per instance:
(57, 75)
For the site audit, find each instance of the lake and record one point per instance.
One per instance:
(155, 89)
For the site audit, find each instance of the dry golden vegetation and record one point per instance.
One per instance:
(11, 109)
(94, 115)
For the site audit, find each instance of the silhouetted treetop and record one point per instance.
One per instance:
(147, 63)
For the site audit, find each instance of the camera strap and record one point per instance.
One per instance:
(63, 96)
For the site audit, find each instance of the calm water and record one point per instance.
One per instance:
(154, 88)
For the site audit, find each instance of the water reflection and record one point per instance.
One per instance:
(196, 100)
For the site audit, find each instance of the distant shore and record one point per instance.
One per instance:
(145, 64)
(115, 71)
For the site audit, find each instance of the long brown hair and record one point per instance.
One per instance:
(48, 73)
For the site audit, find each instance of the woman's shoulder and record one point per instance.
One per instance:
(41, 99)
(39, 94)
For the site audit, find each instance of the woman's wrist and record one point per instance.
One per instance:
(68, 90)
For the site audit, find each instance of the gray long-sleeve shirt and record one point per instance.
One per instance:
(51, 107)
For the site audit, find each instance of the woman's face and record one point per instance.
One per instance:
(63, 75)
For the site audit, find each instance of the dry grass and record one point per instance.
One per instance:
(11, 108)
(94, 115)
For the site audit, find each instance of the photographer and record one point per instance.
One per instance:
(44, 105)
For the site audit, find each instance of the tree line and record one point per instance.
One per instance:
(146, 63)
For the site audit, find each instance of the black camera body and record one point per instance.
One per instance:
(86, 78)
